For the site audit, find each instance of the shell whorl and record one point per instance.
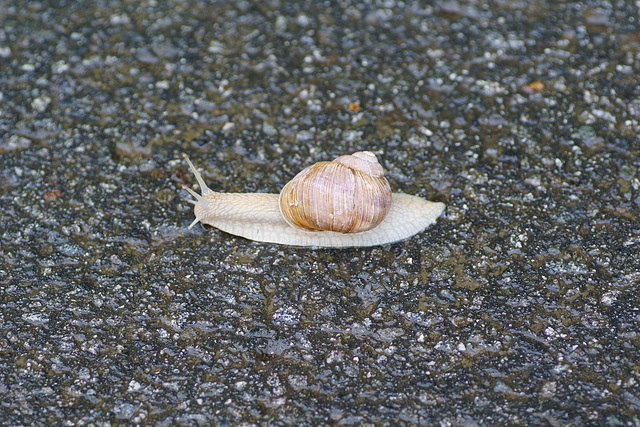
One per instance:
(347, 195)
(363, 161)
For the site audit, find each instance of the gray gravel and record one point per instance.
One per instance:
(520, 306)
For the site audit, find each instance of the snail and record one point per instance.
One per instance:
(343, 203)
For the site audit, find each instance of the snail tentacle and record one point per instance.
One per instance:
(203, 187)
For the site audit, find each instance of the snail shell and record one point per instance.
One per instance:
(261, 216)
(347, 195)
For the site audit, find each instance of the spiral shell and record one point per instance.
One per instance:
(347, 195)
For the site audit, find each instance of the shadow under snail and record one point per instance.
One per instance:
(343, 203)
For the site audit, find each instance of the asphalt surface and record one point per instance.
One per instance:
(520, 306)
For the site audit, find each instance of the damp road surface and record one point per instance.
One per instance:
(519, 306)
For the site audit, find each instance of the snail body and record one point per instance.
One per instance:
(308, 212)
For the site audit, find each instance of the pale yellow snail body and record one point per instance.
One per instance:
(346, 202)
